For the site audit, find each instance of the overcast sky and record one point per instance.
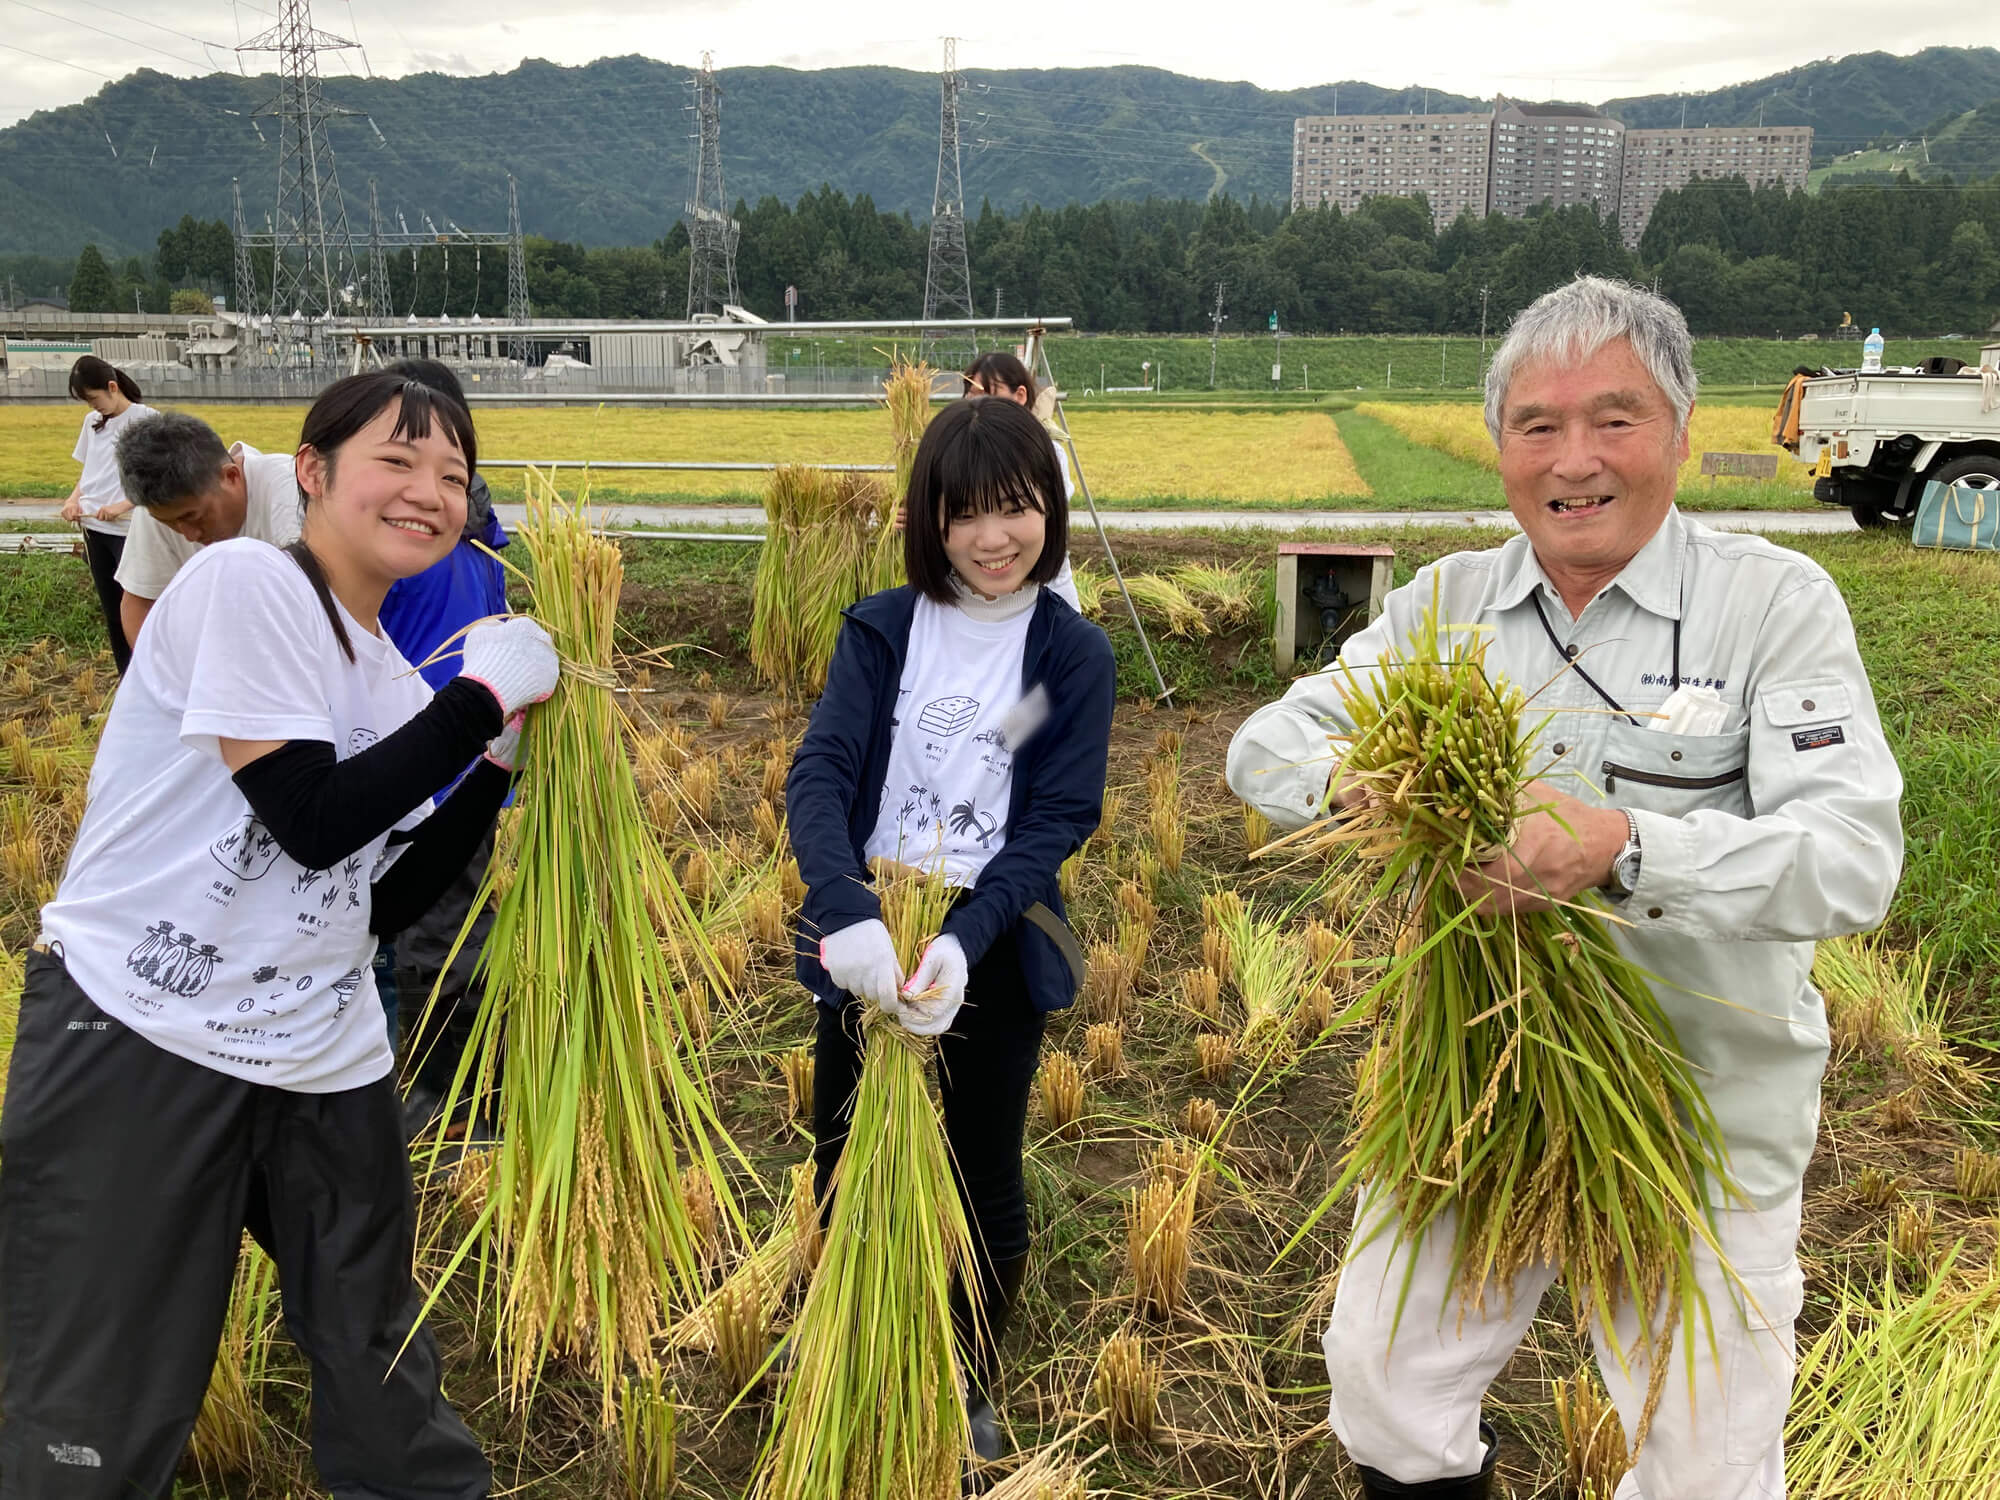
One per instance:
(1572, 49)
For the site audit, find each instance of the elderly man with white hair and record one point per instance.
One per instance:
(1718, 769)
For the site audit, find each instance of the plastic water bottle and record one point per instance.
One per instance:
(1871, 352)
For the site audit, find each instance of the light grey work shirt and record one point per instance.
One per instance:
(1757, 841)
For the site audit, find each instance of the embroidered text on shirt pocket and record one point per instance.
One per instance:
(1675, 774)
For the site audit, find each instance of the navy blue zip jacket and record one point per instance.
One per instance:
(834, 791)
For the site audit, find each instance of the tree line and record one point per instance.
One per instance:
(1916, 258)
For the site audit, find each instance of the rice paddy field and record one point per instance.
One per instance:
(1175, 1355)
(1382, 455)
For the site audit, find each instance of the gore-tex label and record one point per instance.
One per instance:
(1818, 739)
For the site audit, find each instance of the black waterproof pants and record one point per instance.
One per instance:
(104, 550)
(127, 1178)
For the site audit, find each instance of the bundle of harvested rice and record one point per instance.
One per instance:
(1878, 996)
(1229, 597)
(874, 1407)
(1268, 966)
(1524, 1074)
(907, 394)
(1167, 602)
(1900, 1396)
(824, 534)
(606, 1124)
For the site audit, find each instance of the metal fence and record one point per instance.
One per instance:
(800, 381)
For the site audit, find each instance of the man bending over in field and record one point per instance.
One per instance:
(188, 491)
(1758, 815)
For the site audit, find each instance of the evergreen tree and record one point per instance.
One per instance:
(91, 288)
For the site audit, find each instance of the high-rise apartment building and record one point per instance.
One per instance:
(1342, 159)
(1560, 154)
(1656, 160)
(1522, 155)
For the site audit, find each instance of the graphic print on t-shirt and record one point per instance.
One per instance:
(360, 740)
(948, 716)
(969, 822)
(177, 962)
(247, 851)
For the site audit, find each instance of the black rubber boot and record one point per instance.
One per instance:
(980, 1347)
(1379, 1486)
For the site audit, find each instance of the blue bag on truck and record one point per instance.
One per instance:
(1958, 519)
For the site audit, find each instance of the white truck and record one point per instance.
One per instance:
(1875, 439)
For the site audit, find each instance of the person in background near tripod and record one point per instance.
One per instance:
(98, 502)
(998, 373)
(965, 725)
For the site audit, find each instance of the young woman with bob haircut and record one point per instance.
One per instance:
(200, 1048)
(964, 726)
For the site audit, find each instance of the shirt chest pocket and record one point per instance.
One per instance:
(1676, 774)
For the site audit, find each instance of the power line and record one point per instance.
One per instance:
(59, 62)
(56, 15)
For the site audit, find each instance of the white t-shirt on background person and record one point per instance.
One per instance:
(97, 450)
(951, 773)
(179, 915)
(1063, 585)
(154, 552)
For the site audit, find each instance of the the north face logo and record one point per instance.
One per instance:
(76, 1455)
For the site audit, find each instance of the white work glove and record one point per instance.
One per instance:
(862, 960)
(514, 660)
(504, 749)
(942, 969)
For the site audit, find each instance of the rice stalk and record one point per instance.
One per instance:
(1201, 992)
(1525, 1075)
(740, 1321)
(1977, 1174)
(1107, 983)
(769, 825)
(1257, 830)
(808, 1231)
(646, 1435)
(1166, 818)
(1159, 1224)
(1103, 1050)
(797, 1068)
(1912, 1231)
(1090, 589)
(874, 1405)
(1896, 1398)
(229, 1437)
(1126, 1388)
(1593, 1439)
(1875, 1187)
(1215, 1055)
(13, 967)
(1181, 1162)
(1201, 1119)
(1059, 1085)
(1046, 1476)
(588, 1233)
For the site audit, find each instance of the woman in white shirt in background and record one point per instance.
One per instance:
(98, 502)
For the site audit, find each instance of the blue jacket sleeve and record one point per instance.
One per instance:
(824, 782)
(1065, 797)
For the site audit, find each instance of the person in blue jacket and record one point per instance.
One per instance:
(964, 725)
(421, 614)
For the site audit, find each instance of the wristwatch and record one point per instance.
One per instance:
(1625, 866)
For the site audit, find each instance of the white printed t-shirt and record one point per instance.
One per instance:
(97, 450)
(179, 915)
(951, 773)
(154, 552)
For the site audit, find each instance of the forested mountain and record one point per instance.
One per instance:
(601, 151)
(1866, 99)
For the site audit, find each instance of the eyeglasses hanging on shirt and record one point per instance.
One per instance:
(1569, 654)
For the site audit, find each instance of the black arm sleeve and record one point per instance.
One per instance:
(320, 810)
(437, 853)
